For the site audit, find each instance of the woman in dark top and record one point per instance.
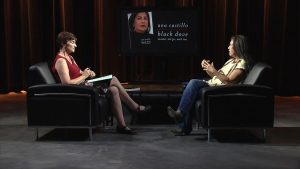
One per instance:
(140, 26)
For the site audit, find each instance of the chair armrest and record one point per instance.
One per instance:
(237, 89)
(62, 88)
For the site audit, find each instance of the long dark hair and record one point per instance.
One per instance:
(131, 21)
(241, 48)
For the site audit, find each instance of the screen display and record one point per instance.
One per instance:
(159, 31)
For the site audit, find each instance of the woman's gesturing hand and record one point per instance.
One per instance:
(208, 66)
(205, 64)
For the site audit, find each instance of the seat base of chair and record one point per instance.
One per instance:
(209, 131)
(90, 129)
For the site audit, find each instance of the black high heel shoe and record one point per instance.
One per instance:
(145, 110)
(139, 111)
(125, 130)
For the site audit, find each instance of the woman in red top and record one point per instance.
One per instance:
(67, 71)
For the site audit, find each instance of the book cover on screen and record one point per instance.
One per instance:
(163, 32)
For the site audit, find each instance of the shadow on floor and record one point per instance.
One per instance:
(275, 136)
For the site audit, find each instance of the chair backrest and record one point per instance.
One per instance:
(260, 74)
(40, 73)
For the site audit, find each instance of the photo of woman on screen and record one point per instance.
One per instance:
(140, 30)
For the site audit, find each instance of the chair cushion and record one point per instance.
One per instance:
(260, 74)
(40, 74)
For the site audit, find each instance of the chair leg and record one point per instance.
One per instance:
(109, 120)
(208, 135)
(91, 134)
(36, 134)
(264, 134)
(196, 126)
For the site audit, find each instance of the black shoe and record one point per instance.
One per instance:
(137, 111)
(125, 130)
(174, 114)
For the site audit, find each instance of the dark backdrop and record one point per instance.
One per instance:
(29, 28)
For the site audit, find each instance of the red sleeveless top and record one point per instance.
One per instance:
(74, 70)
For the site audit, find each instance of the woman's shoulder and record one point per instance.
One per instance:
(241, 64)
(242, 61)
(60, 60)
(58, 57)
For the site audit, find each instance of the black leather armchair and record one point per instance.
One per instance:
(246, 105)
(50, 104)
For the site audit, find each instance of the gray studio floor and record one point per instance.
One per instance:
(154, 147)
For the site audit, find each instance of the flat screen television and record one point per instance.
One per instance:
(159, 31)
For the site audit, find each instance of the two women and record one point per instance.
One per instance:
(67, 71)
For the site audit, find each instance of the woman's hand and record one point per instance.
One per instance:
(86, 73)
(205, 64)
(208, 67)
(93, 74)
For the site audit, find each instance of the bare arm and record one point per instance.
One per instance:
(231, 78)
(63, 72)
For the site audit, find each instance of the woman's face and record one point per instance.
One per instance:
(231, 50)
(140, 23)
(70, 46)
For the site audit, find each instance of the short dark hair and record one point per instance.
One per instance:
(132, 17)
(64, 37)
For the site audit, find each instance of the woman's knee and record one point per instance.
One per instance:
(114, 80)
(193, 83)
(113, 90)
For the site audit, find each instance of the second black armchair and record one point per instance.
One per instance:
(246, 105)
